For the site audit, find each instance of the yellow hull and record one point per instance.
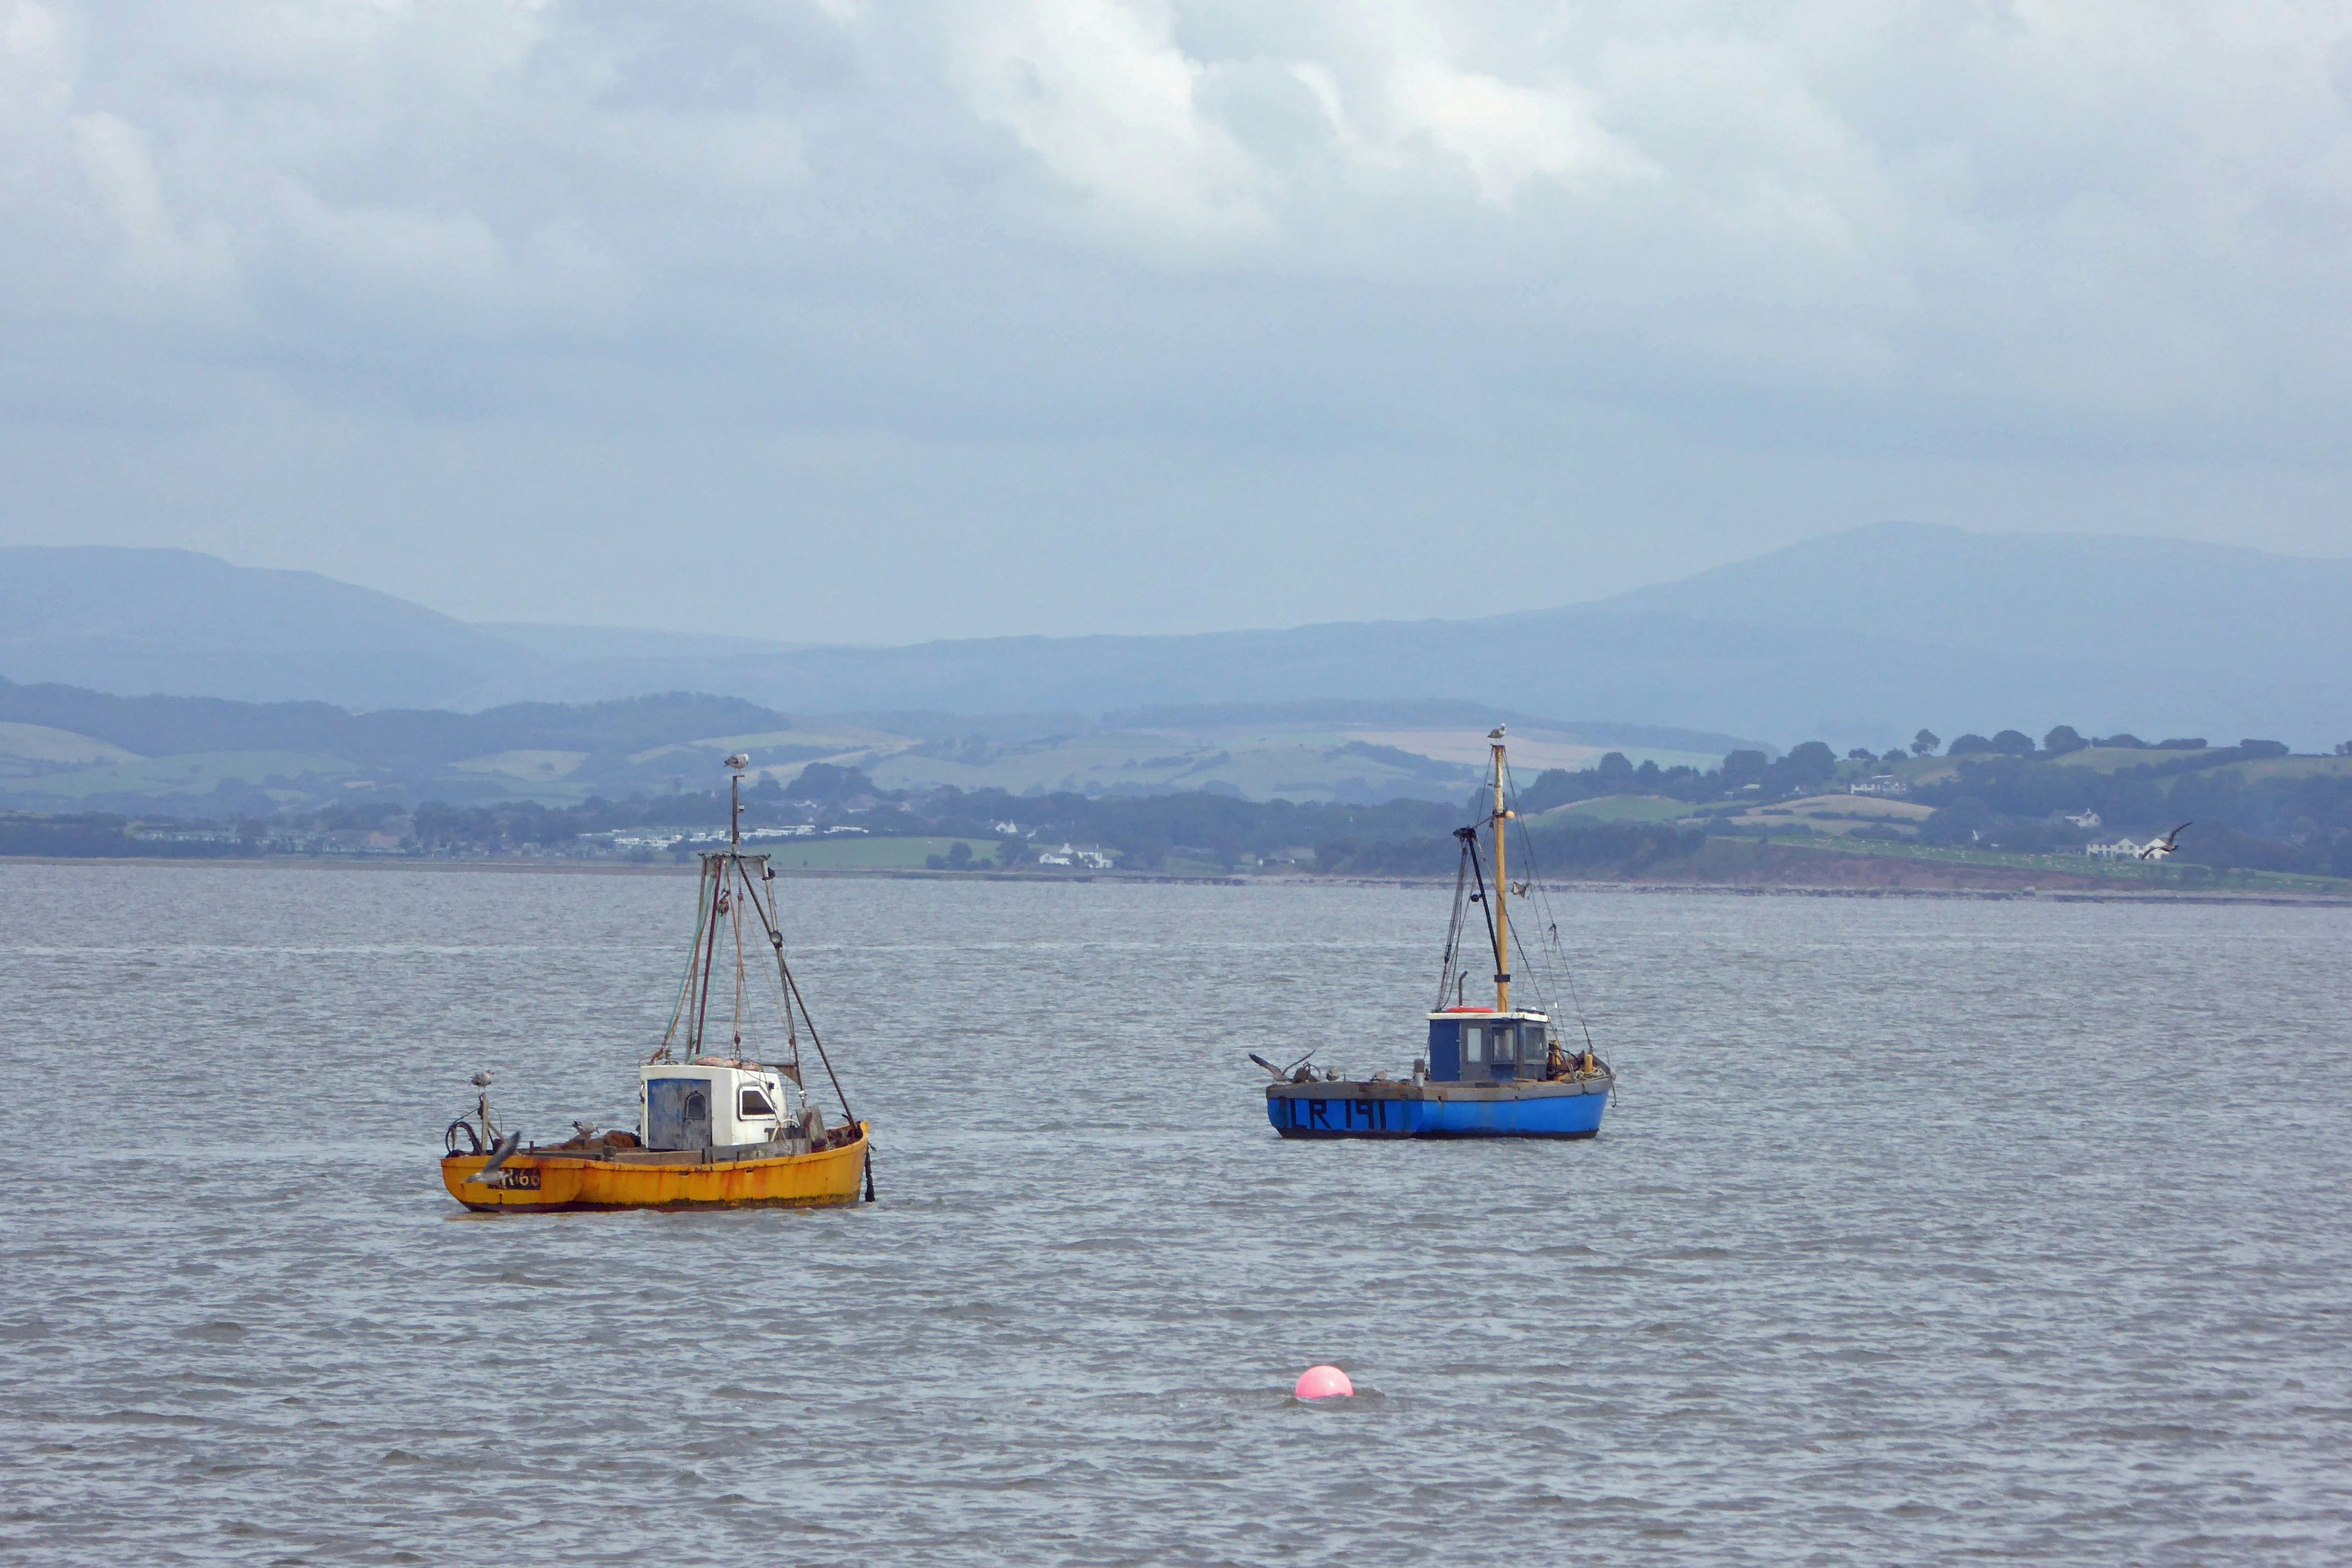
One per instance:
(553, 1180)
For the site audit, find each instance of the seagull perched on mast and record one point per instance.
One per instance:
(2157, 848)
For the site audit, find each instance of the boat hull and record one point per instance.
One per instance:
(551, 1180)
(1569, 1109)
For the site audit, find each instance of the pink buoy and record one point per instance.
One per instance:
(1324, 1382)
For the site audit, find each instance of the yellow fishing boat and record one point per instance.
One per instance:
(714, 1128)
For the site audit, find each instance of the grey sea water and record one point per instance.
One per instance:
(1924, 1232)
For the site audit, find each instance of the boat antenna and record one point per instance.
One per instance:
(736, 765)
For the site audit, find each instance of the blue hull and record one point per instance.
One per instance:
(1420, 1110)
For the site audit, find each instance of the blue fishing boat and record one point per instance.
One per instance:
(1502, 1071)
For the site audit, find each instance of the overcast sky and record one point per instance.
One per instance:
(825, 320)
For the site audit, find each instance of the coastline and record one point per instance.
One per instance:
(2020, 886)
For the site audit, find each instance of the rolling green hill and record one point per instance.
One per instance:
(64, 748)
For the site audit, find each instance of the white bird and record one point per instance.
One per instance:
(739, 761)
(1496, 732)
(2157, 848)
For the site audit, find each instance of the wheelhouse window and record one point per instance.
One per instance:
(754, 1103)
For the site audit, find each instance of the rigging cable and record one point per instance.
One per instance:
(685, 983)
(710, 874)
(776, 938)
(1469, 836)
(771, 918)
(1453, 928)
(1551, 918)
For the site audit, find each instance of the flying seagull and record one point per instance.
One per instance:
(2157, 848)
(500, 1153)
(1279, 1073)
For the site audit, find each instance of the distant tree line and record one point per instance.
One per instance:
(1806, 769)
(83, 836)
(2293, 824)
(2002, 793)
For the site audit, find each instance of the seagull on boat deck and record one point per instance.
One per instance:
(2157, 848)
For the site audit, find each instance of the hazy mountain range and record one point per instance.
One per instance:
(1858, 638)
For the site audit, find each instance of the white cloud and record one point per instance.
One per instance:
(123, 181)
(1506, 133)
(1847, 230)
(1100, 92)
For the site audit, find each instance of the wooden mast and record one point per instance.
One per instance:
(738, 884)
(1502, 886)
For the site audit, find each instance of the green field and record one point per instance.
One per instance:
(2295, 768)
(1620, 808)
(192, 772)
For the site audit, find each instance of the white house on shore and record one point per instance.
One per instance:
(1886, 784)
(2121, 849)
(1067, 855)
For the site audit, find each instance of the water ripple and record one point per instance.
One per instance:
(1924, 1232)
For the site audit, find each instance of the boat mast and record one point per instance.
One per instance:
(737, 883)
(1502, 894)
